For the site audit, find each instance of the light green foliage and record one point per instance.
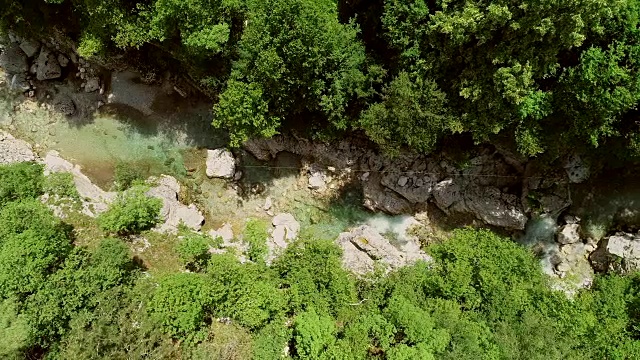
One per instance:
(90, 45)
(61, 184)
(256, 234)
(312, 271)
(27, 259)
(313, 334)
(269, 342)
(193, 250)
(126, 176)
(131, 212)
(248, 293)
(20, 180)
(14, 331)
(181, 303)
(20, 216)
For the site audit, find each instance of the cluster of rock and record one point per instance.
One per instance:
(174, 213)
(365, 249)
(620, 253)
(493, 186)
(13, 150)
(27, 63)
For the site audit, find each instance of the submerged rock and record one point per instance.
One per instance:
(220, 164)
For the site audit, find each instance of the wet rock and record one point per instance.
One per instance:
(577, 170)
(220, 164)
(317, 178)
(569, 234)
(364, 247)
(48, 66)
(92, 84)
(30, 47)
(20, 83)
(63, 60)
(13, 150)
(620, 253)
(13, 60)
(378, 197)
(173, 212)
(64, 104)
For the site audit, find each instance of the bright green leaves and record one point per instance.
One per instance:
(414, 113)
(211, 38)
(20, 181)
(243, 109)
(314, 334)
(296, 59)
(180, 304)
(131, 212)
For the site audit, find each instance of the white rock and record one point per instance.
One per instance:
(569, 234)
(13, 150)
(317, 182)
(267, 204)
(173, 211)
(220, 164)
(577, 170)
(225, 233)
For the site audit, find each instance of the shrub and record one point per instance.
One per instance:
(126, 176)
(20, 181)
(194, 251)
(62, 185)
(132, 212)
(256, 234)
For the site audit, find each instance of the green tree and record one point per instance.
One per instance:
(193, 250)
(313, 334)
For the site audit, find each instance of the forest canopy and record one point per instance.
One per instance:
(539, 76)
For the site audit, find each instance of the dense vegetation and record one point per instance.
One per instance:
(543, 77)
(483, 297)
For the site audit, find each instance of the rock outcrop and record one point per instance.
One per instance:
(13, 60)
(94, 199)
(488, 186)
(285, 229)
(13, 150)
(220, 164)
(620, 253)
(364, 248)
(173, 211)
(48, 67)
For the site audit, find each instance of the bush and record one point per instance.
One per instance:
(181, 305)
(62, 185)
(20, 216)
(20, 181)
(132, 212)
(126, 176)
(194, 251)
(256, 234)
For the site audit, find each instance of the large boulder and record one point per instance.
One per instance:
(48, 67)
(364, 248)
(379, 197)
(487, 203)
(569, 234)
(174, 213)
(620, 252)
(13, 150)
(220, 164)
(13, 60)
(285, 229)
(30, 47)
